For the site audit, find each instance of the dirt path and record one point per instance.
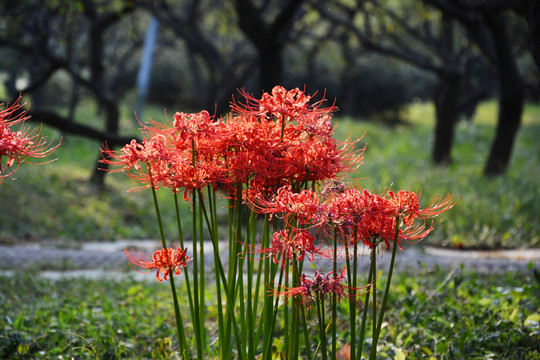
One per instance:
(108, 259)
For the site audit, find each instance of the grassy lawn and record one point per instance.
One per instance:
(434, 315)
(55, 201)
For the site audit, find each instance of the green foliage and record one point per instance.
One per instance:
(464, 315)
(435, 315)
(43, 319)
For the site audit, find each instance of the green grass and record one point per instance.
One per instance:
(434, 315)
(55, 201)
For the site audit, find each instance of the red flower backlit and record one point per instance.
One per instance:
(182, 156)
(289, 245)
(278, 139)
(359, 215)
(301, 206)
(284, 138)
(310, 286)
(17, 146)
(166, 261)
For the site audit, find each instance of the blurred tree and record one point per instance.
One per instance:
(420, 36)
(218, 59)
(268, 28)
(530, 10)
(440, 36)
(487, 24)
(215, 33)
(202, 55)
(68, 37)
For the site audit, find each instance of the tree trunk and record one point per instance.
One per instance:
(511, 94)
(447, 113)
(446, 96)
(268, 37)
(270, 67)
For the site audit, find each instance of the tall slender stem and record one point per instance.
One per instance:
(322, 328)
(366, 307)
(373, 292)
(196, 285)
(373, 354)
(334, 300)
(352, 296)
(179, 322)
(306, 333)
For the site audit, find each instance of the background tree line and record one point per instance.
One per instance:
(373, 56)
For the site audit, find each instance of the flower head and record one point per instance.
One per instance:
(166, 261)
(289, 244)
(361, 215)
(17, 146)
(286, 139)
(320, 284)
(302, 206)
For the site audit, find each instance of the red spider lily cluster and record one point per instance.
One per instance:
(277, 140)
(17, 146)
(353, 214)
(277, 156)
(279, 149)
(166, 261)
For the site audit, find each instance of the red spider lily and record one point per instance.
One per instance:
(408, 209)
(200, 132)
(164, 260)
(285, 139)
(310, 286)
(302, 206)
(183, 175)
(372, 218)
(281, 103)
(359, 212)
(145, 162)
(438, 205)
(166, 158)
(290, 244)
(406, 205)
(17, 146)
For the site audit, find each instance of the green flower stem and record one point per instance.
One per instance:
(373, 354)
(355, 287)
(184, 350)
(202, 285)
(366, 307)
(307, 345)
(213, 222)
(285, 309)
(181, 241)
(352, 292)
(229, 292)
(252, 294)
(267, 354)
(295, 308)
(179, 322)
(195, 317)
(373, 292)
(334, 300)
(264, 263)
(322, 330)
